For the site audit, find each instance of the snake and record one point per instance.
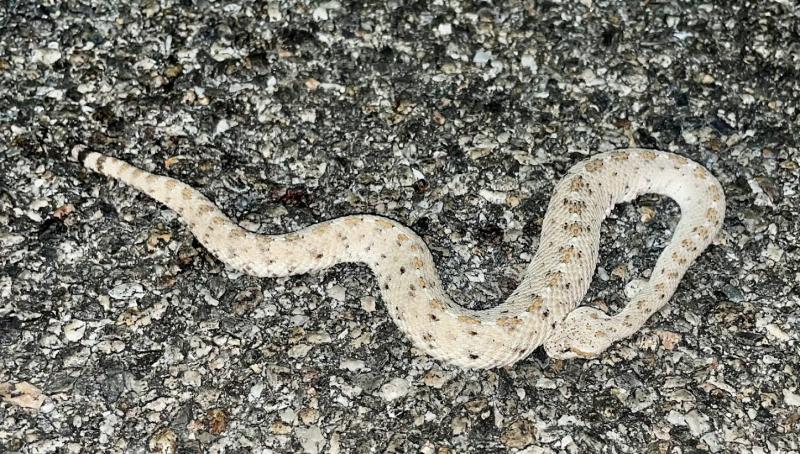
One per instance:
(544, 308)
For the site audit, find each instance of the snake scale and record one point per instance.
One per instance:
(542, 310)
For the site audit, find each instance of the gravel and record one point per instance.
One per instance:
(119, 333)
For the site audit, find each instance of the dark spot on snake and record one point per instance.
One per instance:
(402, 270)
(434, 318)
(473, 333)
(319, 256)
(473, 356)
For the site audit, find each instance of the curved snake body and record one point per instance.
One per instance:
(543, 308)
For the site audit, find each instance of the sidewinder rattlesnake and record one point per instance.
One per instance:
(542, 310)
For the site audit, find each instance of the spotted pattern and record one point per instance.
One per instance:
(543, 310)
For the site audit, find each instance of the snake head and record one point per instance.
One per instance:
(586, 332)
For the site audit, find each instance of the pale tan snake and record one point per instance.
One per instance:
(540, 311)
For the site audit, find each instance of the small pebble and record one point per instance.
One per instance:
(74, 330)
(394, 389)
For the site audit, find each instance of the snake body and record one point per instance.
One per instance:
(542, 310)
